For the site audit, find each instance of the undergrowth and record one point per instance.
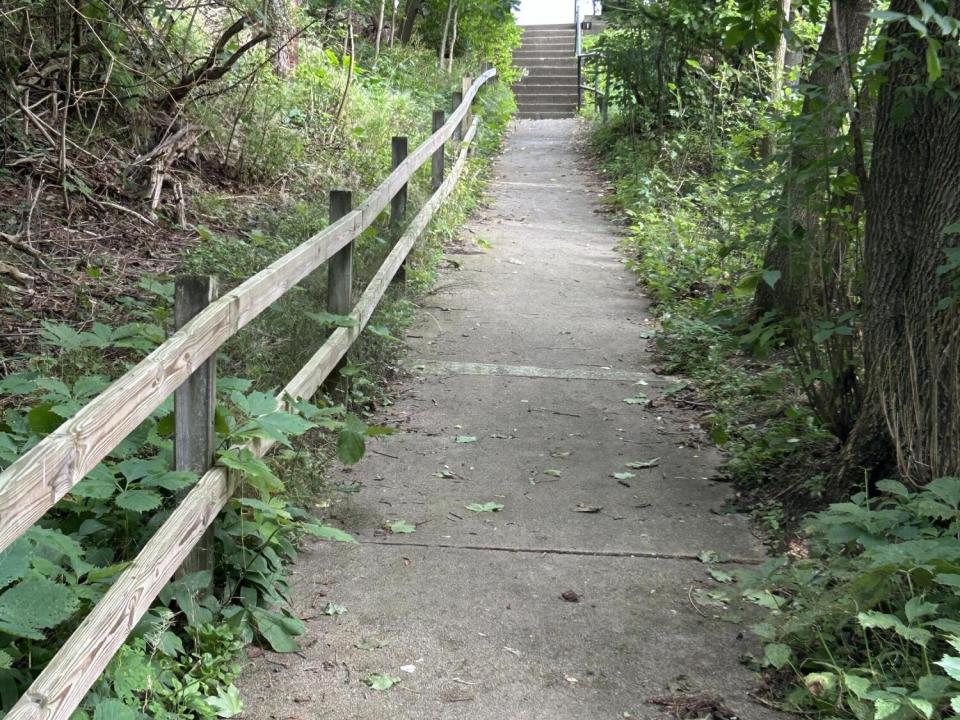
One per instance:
(184, 656)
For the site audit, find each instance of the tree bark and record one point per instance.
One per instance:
(453, 38)
(284, 41)
(376, 54)
(411, 10)
(446, 30)
(792, 248)
(911, 416)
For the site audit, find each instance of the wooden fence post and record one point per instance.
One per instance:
(340, 266)
(456, 100)
(398, 203)
(194, 404)
(437, 166)
(468, 116)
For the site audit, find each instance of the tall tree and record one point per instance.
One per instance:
(911, 329)
(793, 250)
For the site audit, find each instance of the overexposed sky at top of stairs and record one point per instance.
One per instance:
(548, 12)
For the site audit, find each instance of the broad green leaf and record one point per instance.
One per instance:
(14, 562)
(885, 707)
(113, 710)
(644, 464)
(379, 681)
(43, 420)
(334, 609)
(623, 475)
(350, 447)
(38, 603)
(552, 472)
(278, 633)
(328, 533)
(465, 439)
(484, 507)
(777, 654)
(401, 527)
(934, 69)
(771, 277)
(951, 665)
(227, 703)
(326, 319)
(638, 399)
(138, 500)
(720, 576)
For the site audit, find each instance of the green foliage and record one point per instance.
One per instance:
(867, 627)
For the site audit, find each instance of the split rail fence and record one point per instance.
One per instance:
(184, 365)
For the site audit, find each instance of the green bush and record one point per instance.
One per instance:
(868, 626)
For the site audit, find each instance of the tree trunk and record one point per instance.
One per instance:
(393, 21)
(411, 10)
(376, 53)
(768, 144)
(453, 39)
(283, 41)
(792, 249)
(446, 30)
(911, 417)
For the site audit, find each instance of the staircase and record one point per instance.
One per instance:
(549, 90)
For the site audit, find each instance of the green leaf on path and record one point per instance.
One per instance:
(623, 475)
(380, 681)
(484, 507)
(711, 556)
(334, 609)
(401, 527)
(552, 472)
(644, 464)
(463, 439)
(720, 576)
(638, 399)
(370, 643)
(581, 508)
(445, 474)
(325, 532)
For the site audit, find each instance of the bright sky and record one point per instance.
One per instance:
(544, 12)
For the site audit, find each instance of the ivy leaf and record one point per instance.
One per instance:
(37, 603)
(138, 500)
(379, 681)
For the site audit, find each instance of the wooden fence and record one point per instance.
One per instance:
(37, 480)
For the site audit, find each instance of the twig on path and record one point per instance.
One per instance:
(377, 452)
(693, 602)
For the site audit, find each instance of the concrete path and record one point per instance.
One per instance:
(530, 346)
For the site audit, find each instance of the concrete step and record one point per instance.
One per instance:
(526, 89)
(544, 55)
(537, 28)
(547, 45)
(568, 64)
(536, 72)
(545, 115)
(565, 99)
(547, 107)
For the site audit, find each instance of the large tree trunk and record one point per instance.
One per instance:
(411, 10)
(911, 417)
(794, 242)
(780, 68)
(284, 40)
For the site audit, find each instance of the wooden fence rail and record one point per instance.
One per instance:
(37, 480)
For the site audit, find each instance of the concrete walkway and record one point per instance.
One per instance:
(531, 347)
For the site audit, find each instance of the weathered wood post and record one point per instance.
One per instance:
(437, 165)
(398, 203)
(340, 266)
(194, 407)
(456, 101)
(468, 116)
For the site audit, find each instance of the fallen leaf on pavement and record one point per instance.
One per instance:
(642, 464)
(463, 439)
(581, 508)
(380, 681)
(400, 527)
(484, 507)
